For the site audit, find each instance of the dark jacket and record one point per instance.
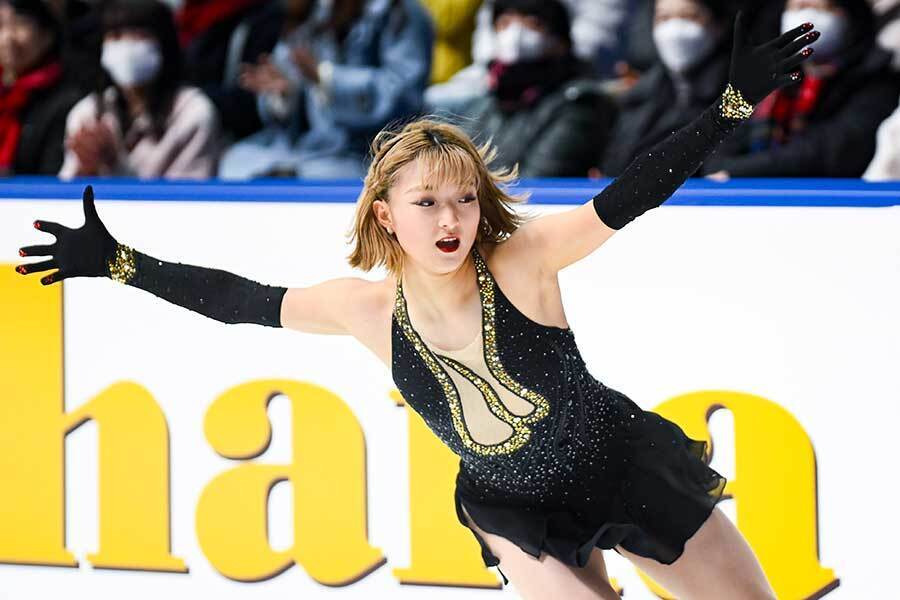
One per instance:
(40, 149)
(651, 111)
(840, 138)
(557, 137)
(210, 65)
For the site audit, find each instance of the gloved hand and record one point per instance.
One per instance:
(82, 252)
(757, 71)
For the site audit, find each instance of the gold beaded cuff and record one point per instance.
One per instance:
(734, 106)
(122, 265)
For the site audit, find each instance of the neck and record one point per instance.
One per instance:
(439, 294)
(136, 98)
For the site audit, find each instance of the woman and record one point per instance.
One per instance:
(142, 120)
(691, 38)
(825, 126)
(554, 465)
(34, 96)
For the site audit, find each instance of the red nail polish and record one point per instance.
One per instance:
(37, 225)
(807, 26)
(21, 253)
(21, 270)
(807, 51)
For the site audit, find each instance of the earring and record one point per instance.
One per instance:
(390, 231)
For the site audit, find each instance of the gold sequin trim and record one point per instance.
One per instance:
(521, 432)
(734, 106)
(122, 265)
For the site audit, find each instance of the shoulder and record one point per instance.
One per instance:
(192, 104)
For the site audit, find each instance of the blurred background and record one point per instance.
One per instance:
(240, 89)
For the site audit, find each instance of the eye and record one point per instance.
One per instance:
(421, 202)
(469, 198)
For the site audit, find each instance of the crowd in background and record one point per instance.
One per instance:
(240, 89)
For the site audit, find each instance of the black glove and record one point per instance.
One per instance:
(653, 176)
(90, 251)
(757, 71)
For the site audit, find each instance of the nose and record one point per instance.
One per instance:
(447, 218)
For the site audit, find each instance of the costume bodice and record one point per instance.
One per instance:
(517, 404)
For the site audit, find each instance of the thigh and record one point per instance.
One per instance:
(717, 562)
(548, 577)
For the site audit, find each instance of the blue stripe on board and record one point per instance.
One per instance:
(696, 192)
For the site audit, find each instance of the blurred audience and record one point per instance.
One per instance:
(886, 164)
(333, 81)
(34, 96)
(454, 24)
(692, 39)
(825, 125)
(595, 36)
(540, 111)
(216, 37)
(141, 120)
(887, 27)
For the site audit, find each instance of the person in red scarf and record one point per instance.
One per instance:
(34, 98)
(824, 126)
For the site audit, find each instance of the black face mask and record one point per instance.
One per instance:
(520, 85)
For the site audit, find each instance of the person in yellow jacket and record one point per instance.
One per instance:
(454, 24)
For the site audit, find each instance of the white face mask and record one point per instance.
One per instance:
(516, 43)
(833, 28)
(131, 62)
(682, 43)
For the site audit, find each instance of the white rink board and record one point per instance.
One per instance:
(795, 304)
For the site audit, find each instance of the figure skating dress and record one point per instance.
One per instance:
(550, 458)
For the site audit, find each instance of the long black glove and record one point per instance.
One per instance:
(756, 71)
(90, 251)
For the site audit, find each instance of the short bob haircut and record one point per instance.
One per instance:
(449, 155)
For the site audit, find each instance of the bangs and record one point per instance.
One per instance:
(449, 163)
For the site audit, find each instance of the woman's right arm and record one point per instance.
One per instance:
(90, 251)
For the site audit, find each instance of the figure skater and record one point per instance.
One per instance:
(554, 465)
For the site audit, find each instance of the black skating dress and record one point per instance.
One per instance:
(550, 458)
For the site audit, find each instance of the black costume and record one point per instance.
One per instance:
(550, 458)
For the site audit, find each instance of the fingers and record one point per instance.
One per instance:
(789, 36)
(37, 267)
(791, 64)
(50, 227)
(48, 250)
(53, 277)
(90, 211)
(797, 44)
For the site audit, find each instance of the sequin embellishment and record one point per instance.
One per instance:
(122, 265)
(519, 423)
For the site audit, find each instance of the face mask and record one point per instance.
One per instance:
(131, 62)
(682, 43)
(833, 28)
(518, 43)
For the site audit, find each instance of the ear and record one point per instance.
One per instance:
(382, 213)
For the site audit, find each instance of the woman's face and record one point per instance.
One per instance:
(420, 217)
(825, 5)
(23, 43)
(128, 33)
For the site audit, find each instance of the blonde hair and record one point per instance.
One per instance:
(449, 155)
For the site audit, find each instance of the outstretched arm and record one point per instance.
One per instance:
(653, 176)
(90, 251)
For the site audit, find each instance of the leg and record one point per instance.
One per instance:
(717, 563)
(547, 577)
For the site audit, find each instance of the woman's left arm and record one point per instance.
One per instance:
(653, 176)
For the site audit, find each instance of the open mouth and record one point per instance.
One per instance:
(449, 244)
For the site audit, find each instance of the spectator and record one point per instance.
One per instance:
(34, 97)
(886, 164)
(454, 22)
(693, 41)
(217, 36)
(887, 27)
(337, 80)
(825, 125)
(146, 122)
(541, 113)
(596, 38)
